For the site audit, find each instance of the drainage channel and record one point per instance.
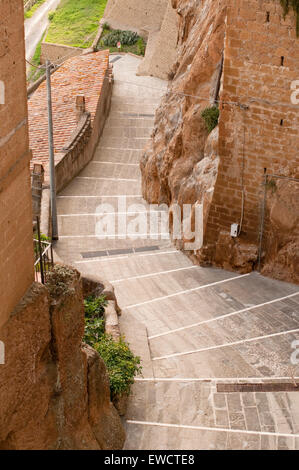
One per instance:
(125, 251)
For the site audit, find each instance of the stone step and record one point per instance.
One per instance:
(117, 155)
(148, 224)
(252, 359)
(101, 187)
(131, 111)
(124, 143)
(116, 268)
(201, 304)
(113, 121)
(112, 170)
(128, 132)
(82, 205)
(241, 326)
(71, 248)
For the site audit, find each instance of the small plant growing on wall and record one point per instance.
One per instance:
(121, 363)
(287, 5)
(210, 117)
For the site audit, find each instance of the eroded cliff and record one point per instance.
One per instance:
(54, 391)
(240, 56)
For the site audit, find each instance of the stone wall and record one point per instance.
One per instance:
(135, 15)
(258, 128)
(16, 246)
(56, 393)
(57, 53)
(260, 63)
(161, 47)
(80, 149)
(157, 21)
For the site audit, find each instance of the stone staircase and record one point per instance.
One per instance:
(193, 327)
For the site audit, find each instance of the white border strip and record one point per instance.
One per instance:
(120, 148)
(116, 258)
(158, 273)
(237, 380)
(122, 236)
(186, 291)
(206, 428)
(226, 345)
(139, 196)
(105, 179)
(98, 162)
(100, 214)
(227, 315)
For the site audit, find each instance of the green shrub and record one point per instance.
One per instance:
(94, 306)
(210, 117)
(140, 46)
(127, 38)
(51, 15)
(94, 330)
(121, 363)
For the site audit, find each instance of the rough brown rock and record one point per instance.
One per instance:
(223, 49)
(53, 393)
(180, 164)
(281, 250)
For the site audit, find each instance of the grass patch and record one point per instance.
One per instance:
(210, 117)
(121, 363)
(75, 22)
(130, 41)
(33, 9)
(34, 73)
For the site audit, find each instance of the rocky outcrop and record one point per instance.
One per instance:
(231, 53)
(54, 391)
(180, 164)
(281, 249)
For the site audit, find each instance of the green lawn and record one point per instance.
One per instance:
(30, 12)
(138, 48)
(35, 73)
(75, 22)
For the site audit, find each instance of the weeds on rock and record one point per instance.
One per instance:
(210, 117)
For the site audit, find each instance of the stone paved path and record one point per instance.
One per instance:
(194, 328)
(36, 26)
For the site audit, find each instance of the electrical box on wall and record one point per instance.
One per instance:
(234, 230)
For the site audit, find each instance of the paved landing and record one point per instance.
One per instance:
(194, 328)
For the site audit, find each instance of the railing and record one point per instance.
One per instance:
(43, 253)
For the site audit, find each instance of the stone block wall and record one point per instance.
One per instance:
(156, 20)
(161, 47)
(57, 53)
(259, 132)
(16, 246)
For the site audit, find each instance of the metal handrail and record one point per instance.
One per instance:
(43, 256)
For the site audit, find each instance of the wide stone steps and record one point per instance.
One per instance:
(102, 187)
(118, 155)
(112, 170)
(184, 321)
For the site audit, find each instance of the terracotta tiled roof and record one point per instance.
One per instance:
(79, 75)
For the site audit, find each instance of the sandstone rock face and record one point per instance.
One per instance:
(54, 391)
(281, 250)
(230, 52)
(180, 165)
